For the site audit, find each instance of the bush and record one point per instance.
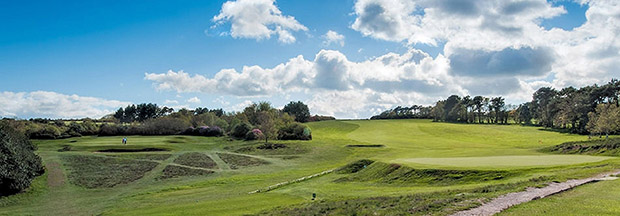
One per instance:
(163, 126)
(240, 130)
(215, 131)
(254, 134)
(47, 131)
(18, 163)
(110, 130)
(295, 131)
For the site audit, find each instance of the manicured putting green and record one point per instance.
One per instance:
(502, 161)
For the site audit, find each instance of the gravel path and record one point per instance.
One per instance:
(506, 201)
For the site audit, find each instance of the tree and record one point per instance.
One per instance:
(605, 120)
(18, 163)
(524, 115)
(497, 105)
(299, 110)
(267, 124)
(467, 103)
(544, 105)
(452, 114)
(477, 104)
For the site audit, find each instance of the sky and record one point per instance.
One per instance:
(348, 59)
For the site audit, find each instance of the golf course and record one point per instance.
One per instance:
(384, 167)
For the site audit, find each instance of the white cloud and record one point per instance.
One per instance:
(55, 105)
(491, 48)
(333, 37)
(193, 100)
(258, 19)
(241, 106)
(171, 102)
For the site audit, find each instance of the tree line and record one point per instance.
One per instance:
(591, 109)
(266, 121)
(415, 111)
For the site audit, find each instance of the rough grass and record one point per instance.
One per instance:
(610, 147)
(196, 159)
(434, 203)
(240, 161)
(103, 172)
(274, 149)
(398, 174)
(172, 171)
(354, 166)
(157, 157)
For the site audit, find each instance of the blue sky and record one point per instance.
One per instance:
(89, 57)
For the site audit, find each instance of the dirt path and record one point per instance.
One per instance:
(506, 201)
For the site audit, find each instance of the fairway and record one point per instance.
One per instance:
(196, 175)
(520, 161)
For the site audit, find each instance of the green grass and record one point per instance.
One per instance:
(196, 159)
(437, 160)
(172, 171)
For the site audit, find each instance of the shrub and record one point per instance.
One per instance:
(47, 131)
(295, 131)
(18, 163)
(240, 130)
(254, 134)
(109, 130)
(215, 131)
(163, 126)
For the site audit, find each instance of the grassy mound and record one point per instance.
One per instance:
(609, 147)
(103, 172)
(355, 166)
(122, 150)
(273, 149)
(239, 161)
(395, 174)
(157, 157)
(172, 171)
(196, 159)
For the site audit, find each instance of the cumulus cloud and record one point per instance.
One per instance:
(55, 105)
(258, 19)
(171, 102)
(331, 78)
(333, 37)
(492, 48)
(463, 23)
(507, 62)
(193, 100)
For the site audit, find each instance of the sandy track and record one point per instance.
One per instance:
(506, 201)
